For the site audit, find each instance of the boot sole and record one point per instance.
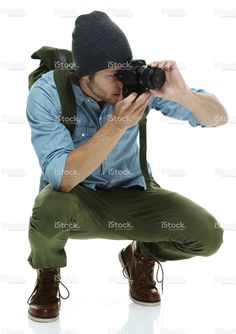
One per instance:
(45, 320)
(136, 301)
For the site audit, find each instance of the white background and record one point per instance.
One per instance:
(199, 294)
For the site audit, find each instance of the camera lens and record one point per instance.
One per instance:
(152, 77)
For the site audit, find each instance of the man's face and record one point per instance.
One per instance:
(104, 86)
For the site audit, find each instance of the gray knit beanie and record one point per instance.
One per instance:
(98, 43)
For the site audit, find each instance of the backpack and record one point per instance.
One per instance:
(49, 59)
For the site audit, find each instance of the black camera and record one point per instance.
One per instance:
(138, 77)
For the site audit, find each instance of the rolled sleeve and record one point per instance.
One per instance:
(50, 138)
(174, 110)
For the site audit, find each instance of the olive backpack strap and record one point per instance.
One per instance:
(143, 145)
(67, 99)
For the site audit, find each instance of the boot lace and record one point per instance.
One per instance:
(146, 273)
(46, 289)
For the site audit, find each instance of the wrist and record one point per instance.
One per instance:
(185, 97)
(115, 127)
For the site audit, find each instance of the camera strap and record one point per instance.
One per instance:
(143, 145)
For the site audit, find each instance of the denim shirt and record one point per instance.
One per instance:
(52, 141)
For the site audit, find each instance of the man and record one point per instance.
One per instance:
(92, 181)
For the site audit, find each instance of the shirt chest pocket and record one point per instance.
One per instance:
(82, 134)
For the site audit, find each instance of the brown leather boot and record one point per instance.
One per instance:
(44, 302)
(140, 271)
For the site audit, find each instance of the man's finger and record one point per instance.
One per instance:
(131, 97)
(121, 97)
(143, 98)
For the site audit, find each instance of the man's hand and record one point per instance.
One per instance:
(204, 106)
(174, 86)
(129, 111)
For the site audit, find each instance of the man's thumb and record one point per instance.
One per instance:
(121, 97)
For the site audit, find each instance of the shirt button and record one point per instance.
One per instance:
(82, 134)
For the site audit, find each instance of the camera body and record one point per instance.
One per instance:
(138, 77)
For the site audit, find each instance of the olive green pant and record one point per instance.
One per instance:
(167, 225)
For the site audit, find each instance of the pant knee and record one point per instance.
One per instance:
(215, 240)
(54, 202)
(52, 213)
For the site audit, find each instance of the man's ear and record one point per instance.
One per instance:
(84, 79)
